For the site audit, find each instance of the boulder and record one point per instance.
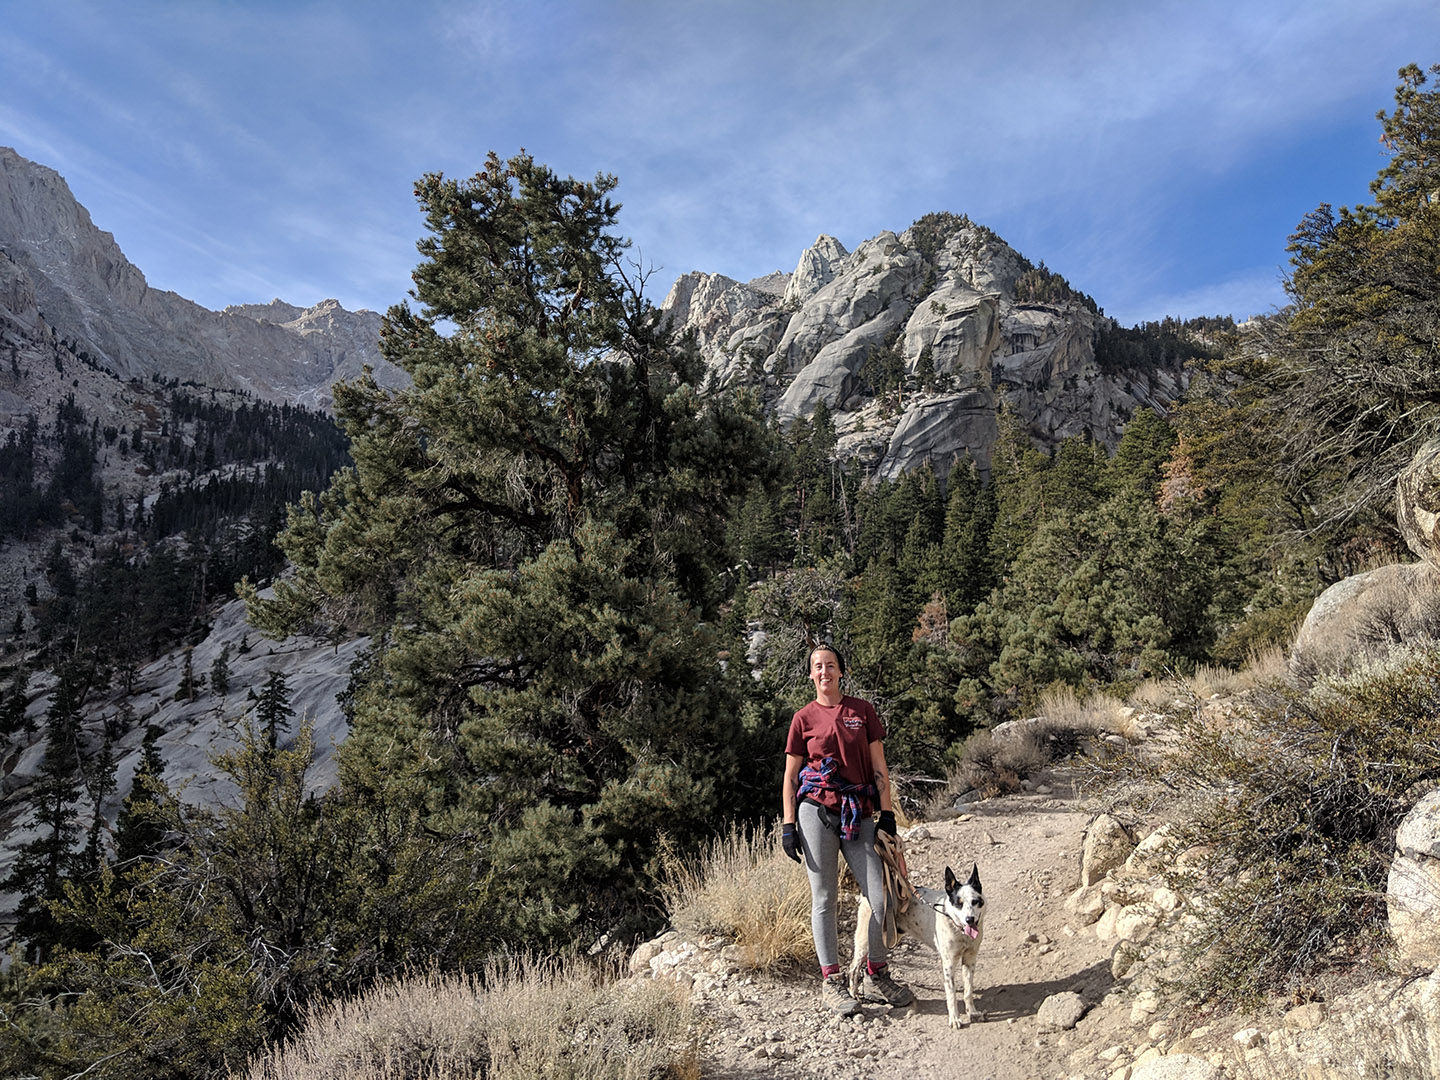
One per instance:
(1412, 893)
(1156, 850)
(1107, 845)
(1308, 1017)
(1136, 923)
(1060, 1012)
(1417, 503)
(1086, 904)
(1362, 619)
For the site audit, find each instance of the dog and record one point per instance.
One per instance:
(951, 922)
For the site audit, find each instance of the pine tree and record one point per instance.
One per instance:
(1346, 387)
(220, 672)
(140, 828)
(925, 369)
(1139, 461)
(273, 707)
(529, 527)
(14, 704)
(100, 783)
(42, 865)
(189, 687)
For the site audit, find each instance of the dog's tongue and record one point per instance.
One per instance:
(970, 931)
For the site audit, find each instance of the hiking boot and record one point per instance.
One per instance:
(835, 995)
(880, 987)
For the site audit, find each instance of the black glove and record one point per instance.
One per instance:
(885, 822)
(790, 840)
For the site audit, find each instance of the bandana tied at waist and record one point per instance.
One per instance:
(856, 800)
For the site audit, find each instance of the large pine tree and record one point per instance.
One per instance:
(531, 530)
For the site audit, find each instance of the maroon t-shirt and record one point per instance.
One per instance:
(844, 732)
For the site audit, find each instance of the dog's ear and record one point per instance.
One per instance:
(950, 881)
(974, 881)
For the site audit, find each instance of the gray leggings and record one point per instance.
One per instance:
(822, 850)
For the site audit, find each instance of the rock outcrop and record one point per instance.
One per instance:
(1363, 618)
(1412, 893)
(949, 316)
(72, 273)
(1417, 503)
(195, 732)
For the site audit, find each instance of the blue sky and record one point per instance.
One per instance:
(1157, 154)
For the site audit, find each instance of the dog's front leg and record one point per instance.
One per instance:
(967, 972)
(860, 948)
(947, 967)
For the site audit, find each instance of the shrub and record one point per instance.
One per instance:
(1298, 808)
(744, 888)
(522, 1019)
(995, 762)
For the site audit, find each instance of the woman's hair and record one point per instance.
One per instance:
(825, 646)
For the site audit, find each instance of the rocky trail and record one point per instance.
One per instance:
(1039, 962)
(1028, 848)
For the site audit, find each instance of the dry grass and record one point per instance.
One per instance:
(1095, 714)
(742, 887)
(523, 1019)
(1267, 667)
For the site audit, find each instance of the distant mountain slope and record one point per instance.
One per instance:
(88, 292)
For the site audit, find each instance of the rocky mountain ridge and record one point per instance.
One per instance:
(57, 264)
(968, 321)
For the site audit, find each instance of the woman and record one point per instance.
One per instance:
(836, 796)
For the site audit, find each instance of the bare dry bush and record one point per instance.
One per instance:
(1265, 668)
(524, 1018)
(742, 887)
(1063, 708)
(997, 762)
(992, 764)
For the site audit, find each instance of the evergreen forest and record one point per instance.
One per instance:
(590, 580)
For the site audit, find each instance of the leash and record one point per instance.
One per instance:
(898, 890)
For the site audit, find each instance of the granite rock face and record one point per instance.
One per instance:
(1412, 893)
(949, 307)
(1417, 503)
(89, 292)
(816, 269)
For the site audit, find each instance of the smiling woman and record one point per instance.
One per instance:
(836, 797)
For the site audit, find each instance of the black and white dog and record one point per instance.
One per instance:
(951, 922)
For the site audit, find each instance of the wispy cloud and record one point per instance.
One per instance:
(1254, 292)
(1108, 139)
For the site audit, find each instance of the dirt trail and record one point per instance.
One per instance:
(1028, 850)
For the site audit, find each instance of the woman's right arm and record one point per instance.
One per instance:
(793, 762)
